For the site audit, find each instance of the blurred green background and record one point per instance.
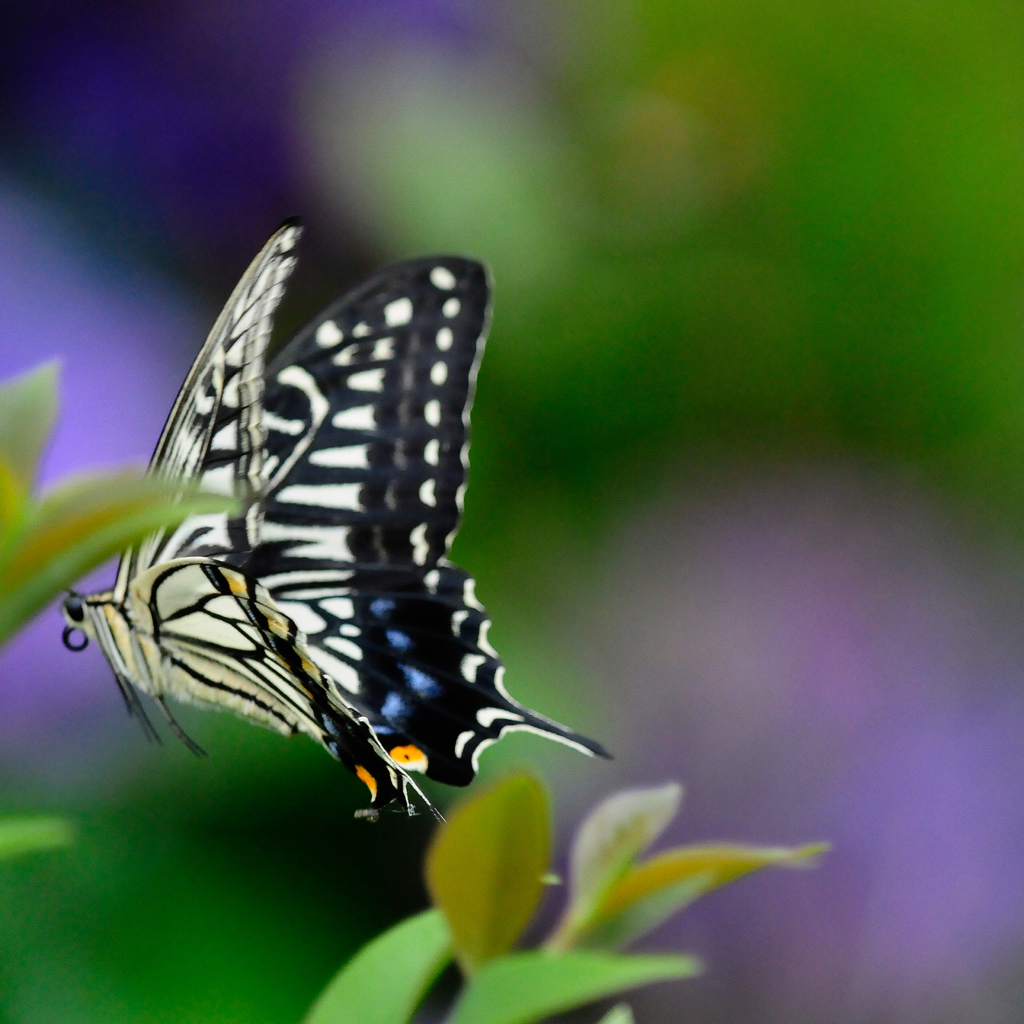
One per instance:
(735, 245)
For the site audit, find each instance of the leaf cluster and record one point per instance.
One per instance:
(48, 542)
(486, 872)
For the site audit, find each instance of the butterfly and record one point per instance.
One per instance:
(326, 604)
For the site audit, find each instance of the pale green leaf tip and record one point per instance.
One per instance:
(809, 855)
(28, 411)
(621, 1014)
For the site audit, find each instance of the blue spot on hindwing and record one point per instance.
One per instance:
(381, 607)
(394, 707)
(424, 685)
(398, 639)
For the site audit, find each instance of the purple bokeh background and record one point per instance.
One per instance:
(819, 656)
(124, 341)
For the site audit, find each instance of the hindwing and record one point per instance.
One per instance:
(211, 635)
(367, 417)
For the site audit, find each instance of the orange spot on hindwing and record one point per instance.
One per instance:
(369, 780)
(409, 757)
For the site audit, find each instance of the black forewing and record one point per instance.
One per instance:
(367, 419)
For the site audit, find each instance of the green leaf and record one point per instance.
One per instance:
(28, 408)
(387, 979)
(525, 987)
(13, 503)
(621, 1014)
(654, 890)
(486, 866)
(80, 525)
(26, 835)
(608, 842)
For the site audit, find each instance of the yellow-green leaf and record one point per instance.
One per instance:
(386, 980)
(525, 987)
(28, 408)
(13, 502)
(659, 887)
(486, 866)
(26, 835)
(607, 843)
(80, 525)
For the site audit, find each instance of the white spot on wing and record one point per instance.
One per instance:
(274, 422)
(451, 307)
(220, 480)
(358, 418)
(367, 380)
(469, 666)
(297, 377)
(445, 339)
(499, 682)
(439, 373)
(432, 412)
(227, 437)
(420, 544)
(482, 642)
(303, 616)
(282, 579)
(398, 312)
(431, 580)
(229, 397)
(384, 348)
(469, 595)
(346, 647)
(463, 739)
(458, 618)
(431, 451)
(346, 356)
(322, 495)
(340, 607)
(328, 335)
(344, 675)
(443, 278)
(348, 629)
(427, 492)
(487, 716)
(328, 542)
(480, 748)
(352, 457)
(361, 330)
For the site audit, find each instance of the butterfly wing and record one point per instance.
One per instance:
(211, 635)
(367, 417)
(214, 433)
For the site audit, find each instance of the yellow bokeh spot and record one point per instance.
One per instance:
(410, 757)
(371, 782)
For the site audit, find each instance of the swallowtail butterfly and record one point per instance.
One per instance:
(328, 605)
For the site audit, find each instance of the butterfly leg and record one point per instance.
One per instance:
(135, 709)
(178, 731)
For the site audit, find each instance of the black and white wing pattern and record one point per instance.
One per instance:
(366, 414)
(214, 434)
(215, 637)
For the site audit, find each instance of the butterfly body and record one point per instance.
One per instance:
(328, 605)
